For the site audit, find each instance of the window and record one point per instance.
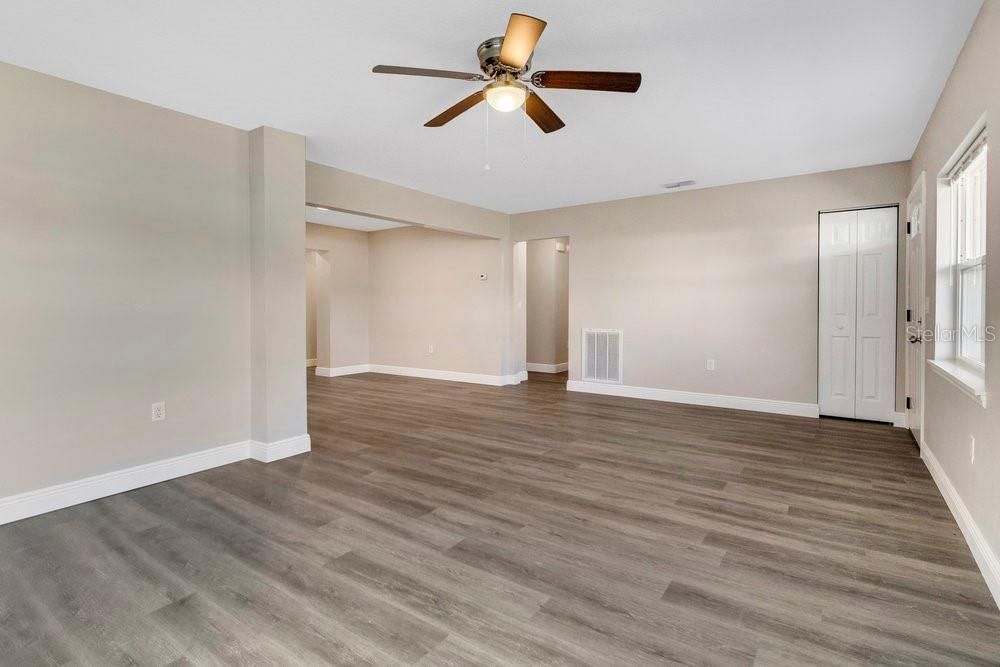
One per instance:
(960, 332)
(967, 182)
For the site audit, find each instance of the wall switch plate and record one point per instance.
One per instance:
(159, 411)
(972, 449)
(710, 364)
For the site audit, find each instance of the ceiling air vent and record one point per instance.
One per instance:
(602, 355)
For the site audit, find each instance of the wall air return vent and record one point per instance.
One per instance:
(602, 355)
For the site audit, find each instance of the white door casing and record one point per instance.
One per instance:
(915, 304)
(857, 318)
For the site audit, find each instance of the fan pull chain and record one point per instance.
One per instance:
(487, 165)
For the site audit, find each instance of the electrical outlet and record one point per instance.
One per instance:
(710, 364)
(159, 411)
(972, 449)
(430, 349)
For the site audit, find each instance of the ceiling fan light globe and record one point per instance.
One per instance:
(507, 96)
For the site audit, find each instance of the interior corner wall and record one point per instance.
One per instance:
(344, 253)
(124, 280)
(952, 417)
(426, 293)
(354, 193)
(547, 287)
(726, 273)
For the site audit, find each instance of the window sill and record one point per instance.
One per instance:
(970, 382)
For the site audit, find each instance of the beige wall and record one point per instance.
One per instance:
(278, 281)
(951, 417)
(354, 193)
(547, 302)
(393, 294)
(124, 280)
(728, 273)
(343, 269)
(425, 290)
(145, 256)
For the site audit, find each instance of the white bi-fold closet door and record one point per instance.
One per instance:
(857, 313)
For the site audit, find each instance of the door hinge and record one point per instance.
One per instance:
(909, 314)
(908, 227)
(909, 403)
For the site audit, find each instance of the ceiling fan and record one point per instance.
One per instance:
(505, 62)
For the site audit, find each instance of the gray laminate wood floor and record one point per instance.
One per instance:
(440, 523)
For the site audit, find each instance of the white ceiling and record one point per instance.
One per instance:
(362, 223)
(732, 90)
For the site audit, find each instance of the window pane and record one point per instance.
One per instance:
(968, 188)
(974, 208)
(972, 322)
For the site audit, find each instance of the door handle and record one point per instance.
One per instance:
(915, 339)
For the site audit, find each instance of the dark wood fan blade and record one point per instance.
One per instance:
(543, 116)
(419, 71)
(456, 110)
(519, 41)
(617, 82)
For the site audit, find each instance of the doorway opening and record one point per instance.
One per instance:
(337, 289)
(314, 261)
(547, 307)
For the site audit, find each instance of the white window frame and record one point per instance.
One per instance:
(955, 256)
(969, 240)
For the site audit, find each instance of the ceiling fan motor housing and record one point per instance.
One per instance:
(489, 59)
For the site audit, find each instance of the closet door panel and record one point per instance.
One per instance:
(838, 313)
(876, 318)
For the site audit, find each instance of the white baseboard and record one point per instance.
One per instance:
(694, 398)
(281, 449)
(49, 499)
(342, 370)
(432, 374)
(428, 373)
(311, 362)
(516, 378)
(548, 368)
(989, 563)
(899, 420)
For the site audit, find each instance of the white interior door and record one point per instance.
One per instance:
(876, 324)
(838, 262)
(916, 313)
(857, 314)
